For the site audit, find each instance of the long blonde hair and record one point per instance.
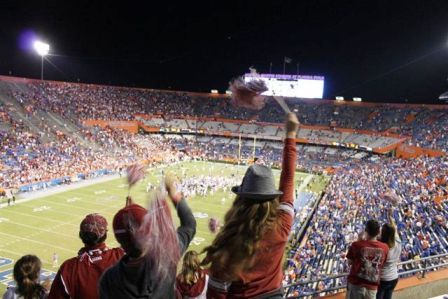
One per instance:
(191, 268)
(237, 242)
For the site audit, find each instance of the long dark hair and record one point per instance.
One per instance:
(26, 274)
(236, 243)
(388, 235)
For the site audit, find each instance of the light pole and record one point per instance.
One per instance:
(42, 49)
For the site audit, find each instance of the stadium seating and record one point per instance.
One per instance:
(355, 195)
(44, 142)
(81, 101)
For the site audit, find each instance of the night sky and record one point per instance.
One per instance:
(386, 51)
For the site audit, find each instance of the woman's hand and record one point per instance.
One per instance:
(170, 185)
(291, 125)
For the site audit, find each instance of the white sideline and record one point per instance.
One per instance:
(305, 182)
(28, 196)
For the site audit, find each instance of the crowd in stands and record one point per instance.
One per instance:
(81, 101)
(355, 194)
(27, 160)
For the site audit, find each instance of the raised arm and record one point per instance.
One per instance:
(392, 223)
(286, 213)
(391, 218)
(289, 159)
(187, 228)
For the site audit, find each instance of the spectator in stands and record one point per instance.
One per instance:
(192, 281)
(366, 257)
(135, 275)
(246, 256)
(78, 276)
(26, 275)
(389, 274)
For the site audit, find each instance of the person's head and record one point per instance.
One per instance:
(388, 235)
(254, 210)
(190, 268)
(26, 274)
(372, 228)
(93, 230)
(244, 225)
(126, 222)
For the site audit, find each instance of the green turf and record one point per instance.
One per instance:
(51, 224)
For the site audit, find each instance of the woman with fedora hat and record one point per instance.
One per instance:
(245, 259)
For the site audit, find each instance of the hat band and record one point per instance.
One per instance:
(120, 231)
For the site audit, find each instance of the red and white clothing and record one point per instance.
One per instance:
(368, 258)
(265, 277)
(197, 290)
(78, 277)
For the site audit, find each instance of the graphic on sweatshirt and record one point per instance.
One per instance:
(370, 264)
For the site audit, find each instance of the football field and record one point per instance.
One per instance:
(50, 224)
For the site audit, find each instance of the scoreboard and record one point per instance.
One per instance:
(294, 86)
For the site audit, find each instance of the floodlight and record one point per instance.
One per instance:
(339, 98)
(214, 91)
(41, 48)
(357, 100)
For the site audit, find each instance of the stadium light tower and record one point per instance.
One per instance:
(42, 49)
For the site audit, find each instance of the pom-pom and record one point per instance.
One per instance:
(213, 225)
(157, 237)
(392, 197)
(136, 172)
(248, 94)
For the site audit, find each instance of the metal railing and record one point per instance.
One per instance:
(420, 267)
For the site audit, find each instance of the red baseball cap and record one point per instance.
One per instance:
(94, 223)
(126, 221)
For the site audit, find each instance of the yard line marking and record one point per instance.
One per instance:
(41, 209)
(37, 242)
(45, 230)
(21, 254)
(39, 217)
(52, 211)
(90, 201)
(62, 189)
(71, 206)
(73, 199)
(48, 245)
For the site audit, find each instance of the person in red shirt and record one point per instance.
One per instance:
(367, 257)
(192, 281)
(78, 276)
(245, 259)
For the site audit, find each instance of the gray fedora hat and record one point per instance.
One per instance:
(258, 184)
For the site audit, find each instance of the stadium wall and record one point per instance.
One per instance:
(130, 125)
(408, 152)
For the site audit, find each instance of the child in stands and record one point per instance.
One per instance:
(26, 274)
